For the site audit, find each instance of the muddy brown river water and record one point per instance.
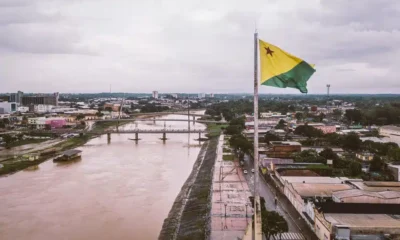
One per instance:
(118, 190)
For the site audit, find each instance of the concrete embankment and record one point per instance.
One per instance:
(189, 217)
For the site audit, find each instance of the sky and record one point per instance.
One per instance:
(194, 45)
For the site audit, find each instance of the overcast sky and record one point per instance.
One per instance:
(194, 45)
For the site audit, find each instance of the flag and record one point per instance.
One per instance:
(281, 69)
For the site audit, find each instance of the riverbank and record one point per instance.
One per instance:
(189, 217)
(18, 163)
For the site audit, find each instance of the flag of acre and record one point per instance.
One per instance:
(281, 69)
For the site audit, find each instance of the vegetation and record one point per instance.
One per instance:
(308, 131)
(229, 157)
(268, 137)
(240, 144)
(214, 129)
(153, 108)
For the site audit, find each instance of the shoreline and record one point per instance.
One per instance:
(189, 217)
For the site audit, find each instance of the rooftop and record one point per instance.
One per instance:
(358, 192)
(364, 221)
(377, 186)
(285, 143)
(71, 152)
(328, 180)
(357, 208)
(318, 189)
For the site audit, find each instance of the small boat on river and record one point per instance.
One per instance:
(68, 155)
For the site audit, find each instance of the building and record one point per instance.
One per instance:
(174, 95)
(40, 100)
(23, 109)
(282, 149)
(211, 95)
(41, 108)
(365, 156)
(155, 94)
(201, 95)
(302, 191)
(8, 107)
(395, 169)
(326, 129)
(343, 220)
(389, 130)
(374, 186)
(37, 123)
(363, 196)
(42, 122)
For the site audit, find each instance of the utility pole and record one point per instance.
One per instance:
(188, 103)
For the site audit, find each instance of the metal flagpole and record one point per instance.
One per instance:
(257, 217)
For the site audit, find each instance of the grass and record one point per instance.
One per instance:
(226, 150)
(14, 166)
(215, 129)
(228, 157)
(26, 141)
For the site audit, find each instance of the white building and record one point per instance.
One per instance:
(41, 108)
(155, 94)
(211, 95)
(23, 109)
(389, 130)
(8, 107)
(37, 123)
(201, 95)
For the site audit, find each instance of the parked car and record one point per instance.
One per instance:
(252, 170)
(245, 171)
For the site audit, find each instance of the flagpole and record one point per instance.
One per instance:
(256, 170)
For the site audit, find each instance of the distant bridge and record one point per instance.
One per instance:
(169, 113)
(157, 120)
(131, 131)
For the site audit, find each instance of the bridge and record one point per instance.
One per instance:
(130, 131)
(157, 120)
(169, 113)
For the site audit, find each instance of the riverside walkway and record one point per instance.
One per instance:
(231, 209)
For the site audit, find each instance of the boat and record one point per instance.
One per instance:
(68, 155)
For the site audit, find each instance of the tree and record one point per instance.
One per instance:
(80, 117)
(99, 113)
(299, 116)
(328, 153)
(108, 109)
(238, 121)
(240, 143)
(20, 136)
(351, 142)
(2, 124)
(353, 115)
(8, 139)
(233, 129)
(394, 154)
(321, 117)
(355, 168)
(268, 137)
(376, 164)
(281, 124)
(24, 120)
(337, 114)
(308, 156)
(308, 131)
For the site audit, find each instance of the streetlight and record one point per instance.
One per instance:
(225, 208)
(246, 210)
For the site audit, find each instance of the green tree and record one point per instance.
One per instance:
(80, 117)
(268, 137)
(2, 124)
(308, 156)
(337, 114)
(108, 109)
(394, 154)
(240, 143)
(308, 131)
(281, 124)
(238, 122)
(321, 117)
(328, 153)
(352, 142)
(8, 139)
(233, 129)
(355, 168)
(376, 164)
(353, 115)
(299, 116)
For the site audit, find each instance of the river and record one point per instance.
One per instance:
(118, 190)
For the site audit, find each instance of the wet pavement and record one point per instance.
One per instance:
(231, 209)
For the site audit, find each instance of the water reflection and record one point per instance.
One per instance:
(119, 190)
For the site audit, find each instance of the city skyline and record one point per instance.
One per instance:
(83, 46)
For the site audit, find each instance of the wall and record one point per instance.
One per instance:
(294, 198)
(322, 227)
(369, 199)
(395, 171)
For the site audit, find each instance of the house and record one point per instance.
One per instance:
(364, 196)
(365, 156)
(282, 149)
(395, 170)
(343, 220)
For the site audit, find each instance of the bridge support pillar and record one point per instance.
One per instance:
(108, 137)
(164, 136)
(136, 136)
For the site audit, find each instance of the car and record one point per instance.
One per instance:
(245, 171)
(252, 170)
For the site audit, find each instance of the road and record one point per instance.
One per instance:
(268, 194)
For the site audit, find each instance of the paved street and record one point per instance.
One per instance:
(295, 222)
